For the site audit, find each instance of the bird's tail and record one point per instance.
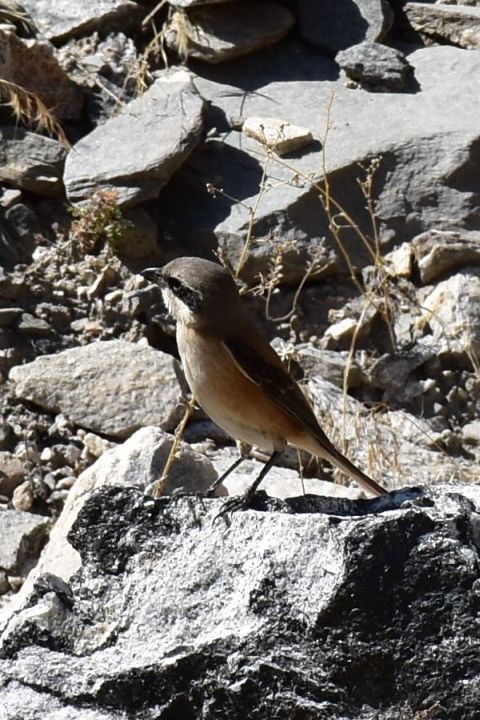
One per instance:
(344, 464)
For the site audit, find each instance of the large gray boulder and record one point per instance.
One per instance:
(308, 608)
(111, 387)
(136, 152)
(426, 176)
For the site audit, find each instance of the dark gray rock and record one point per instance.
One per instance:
(30, 161)
(218, 32)
(338, 24)
(136, 152)
(308, 608)
(70, 18)
(375, 65)
(8, 252)
(8, 315)
(112, 387)
(23, 535)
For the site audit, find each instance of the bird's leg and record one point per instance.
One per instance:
(244, 450)
(241, 502)
(223, 477)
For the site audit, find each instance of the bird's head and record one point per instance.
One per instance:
(197, 292)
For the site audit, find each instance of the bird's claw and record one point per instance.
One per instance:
(240, 502)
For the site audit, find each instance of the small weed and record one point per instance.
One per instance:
(99, 222)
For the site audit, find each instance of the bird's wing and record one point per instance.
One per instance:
(262, 366)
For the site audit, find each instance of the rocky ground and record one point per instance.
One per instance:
(327, 152)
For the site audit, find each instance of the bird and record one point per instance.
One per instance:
(236, 376)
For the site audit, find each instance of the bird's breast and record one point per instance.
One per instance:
(228, 395)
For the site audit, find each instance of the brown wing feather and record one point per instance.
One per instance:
(264, 367)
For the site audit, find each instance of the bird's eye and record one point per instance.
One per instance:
(174, 284)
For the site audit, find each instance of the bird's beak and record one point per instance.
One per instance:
(155, 275)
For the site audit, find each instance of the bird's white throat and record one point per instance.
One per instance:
(177, 309)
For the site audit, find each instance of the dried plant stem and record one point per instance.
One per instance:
(160, 484)
(251, 220)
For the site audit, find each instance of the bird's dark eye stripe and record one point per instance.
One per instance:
(174, 284)
(190, 297)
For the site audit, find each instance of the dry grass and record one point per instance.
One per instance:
(29, 109)
(13, 12)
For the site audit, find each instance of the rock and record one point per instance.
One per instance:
(359, 321)
(140, 237)
(451, 312)
(337, 24)
(23, 496)
(108, 68)
(392, 446)
(23, 535)
(8, 251)
(427, 161)
(140, 462)
(156, 133)
(33, 326)
(298, 598)
(191, 3)
(8, 315)
(95, 445)
(399, 261)
(457, 25)
(279, 135)
(4, 584)
(328, 364)
(30, 161)
(218, 32)
(112, 387)
(12, 472)
(471, 433)
(438, 253)
(71, 18)
(281, 482)
(32, 65)
(341, 331)
(375, 66)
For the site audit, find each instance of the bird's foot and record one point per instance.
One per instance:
(239, 502)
